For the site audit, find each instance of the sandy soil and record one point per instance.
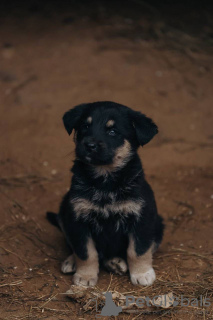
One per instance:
(53, 57)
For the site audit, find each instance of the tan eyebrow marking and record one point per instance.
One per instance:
(89, 120)
(110, 123)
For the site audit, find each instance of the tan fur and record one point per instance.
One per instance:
(89, 120)
(87, 270)
(84, 207)
(138, 264)
(122, 156)
(110, 123)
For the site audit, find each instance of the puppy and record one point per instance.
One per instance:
(109, 215)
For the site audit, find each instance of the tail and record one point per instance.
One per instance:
(53, 219)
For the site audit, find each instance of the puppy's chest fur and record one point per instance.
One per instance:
(105, 202)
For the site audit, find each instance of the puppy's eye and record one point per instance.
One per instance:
(112, 132)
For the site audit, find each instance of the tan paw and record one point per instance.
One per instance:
(116, 265)
(145, 279)
(68, 265)
(85, 280)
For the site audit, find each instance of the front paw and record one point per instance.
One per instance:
(68, 265)
(145, 279)
(85, 280)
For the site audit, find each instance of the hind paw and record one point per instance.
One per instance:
(116, 265)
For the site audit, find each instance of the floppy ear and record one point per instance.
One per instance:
(71, 118)
(145, 128)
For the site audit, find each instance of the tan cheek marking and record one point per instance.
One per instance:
(110, 123)
(122, 156)
(138, 264)
(89, 120)
(90, 267)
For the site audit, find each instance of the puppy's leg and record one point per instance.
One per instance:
(140, 266)
(116, 265)
(68, 265)
(87, 269)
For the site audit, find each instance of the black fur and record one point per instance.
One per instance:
(96, 146)
(53, 218)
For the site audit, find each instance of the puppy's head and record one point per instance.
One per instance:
(107, 133)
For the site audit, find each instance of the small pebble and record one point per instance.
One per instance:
(211, 196)
(156, 103)
(202, 69)
(30, 269)
(159, 73)
(45, 163)
(8, 52)
(54, 171)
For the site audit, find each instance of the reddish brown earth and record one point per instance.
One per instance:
(161, 64)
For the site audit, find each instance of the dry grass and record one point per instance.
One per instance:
(49, 301)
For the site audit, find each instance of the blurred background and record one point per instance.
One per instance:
(153, 56)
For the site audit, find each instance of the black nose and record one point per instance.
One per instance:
(91, 146)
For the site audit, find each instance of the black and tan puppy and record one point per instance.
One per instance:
(109, 216)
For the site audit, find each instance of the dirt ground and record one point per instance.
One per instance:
(156, 60)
